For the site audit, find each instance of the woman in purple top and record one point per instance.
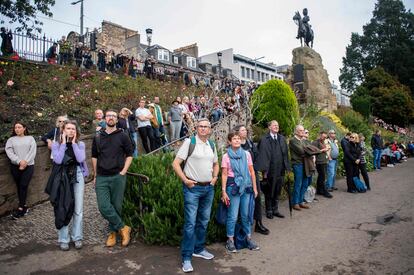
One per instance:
(70, 145)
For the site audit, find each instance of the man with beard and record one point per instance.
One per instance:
(273, 162)
(111, 157)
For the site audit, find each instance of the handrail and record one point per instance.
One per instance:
(188, 135)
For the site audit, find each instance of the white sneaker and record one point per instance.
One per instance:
(187, 267)
(390, 165)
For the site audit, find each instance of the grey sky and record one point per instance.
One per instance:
(253, 28)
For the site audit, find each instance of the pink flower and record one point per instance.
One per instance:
(10, 83)
(72, 78)
(55, 78)
(86, 85)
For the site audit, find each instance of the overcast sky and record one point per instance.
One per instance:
(253, 28)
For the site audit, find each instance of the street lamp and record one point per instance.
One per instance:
(255, 68)
(149, 36)
(81, 15)
(219, 55)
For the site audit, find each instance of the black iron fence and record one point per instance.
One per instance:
(31, 47)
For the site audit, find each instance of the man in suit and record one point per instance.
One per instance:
(273, 162)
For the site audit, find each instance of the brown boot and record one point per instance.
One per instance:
(111, 241)
(305, 206)
(297, 207)
(125, 235)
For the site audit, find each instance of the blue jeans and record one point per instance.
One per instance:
(77, 219)
(307, 181)
(237, 201)
(300, 183)
(135, 137)
(377, 158)
(197, 209)
(330, 182)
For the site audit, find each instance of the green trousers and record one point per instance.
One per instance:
(110, 195)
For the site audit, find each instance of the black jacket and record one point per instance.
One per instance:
(60, 190)
(264, 157)
(348, 158)
(376, 142)
(111, 150)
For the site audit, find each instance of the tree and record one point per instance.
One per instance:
(275, 100)
(382, 95)
(25, 13)
(387, 41)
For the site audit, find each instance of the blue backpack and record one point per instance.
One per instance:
(359, 184)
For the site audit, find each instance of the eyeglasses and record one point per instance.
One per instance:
(203, 126)
(111, 116)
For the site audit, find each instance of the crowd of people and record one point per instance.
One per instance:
(247, 170)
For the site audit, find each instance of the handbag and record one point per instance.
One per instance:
(360, 185)
(221, 213)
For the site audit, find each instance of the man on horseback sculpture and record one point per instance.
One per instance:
(304, 28)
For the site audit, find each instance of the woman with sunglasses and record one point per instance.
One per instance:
(21, 150)
(355, 151)
(69, 151)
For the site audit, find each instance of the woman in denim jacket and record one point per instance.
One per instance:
(238, 183)
(69, 145)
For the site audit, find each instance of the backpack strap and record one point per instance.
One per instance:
(98, 142)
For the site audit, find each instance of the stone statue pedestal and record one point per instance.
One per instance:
(310, 80)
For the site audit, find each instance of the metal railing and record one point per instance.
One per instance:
(31, 47)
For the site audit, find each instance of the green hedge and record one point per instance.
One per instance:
(275, 100)
(162, 198)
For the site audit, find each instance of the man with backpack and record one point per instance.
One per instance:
(111, 157)
(199, 174)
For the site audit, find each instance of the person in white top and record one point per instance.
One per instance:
(144, 127)
(21, 150)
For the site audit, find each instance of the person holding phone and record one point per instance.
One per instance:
(238, 185)
(67, 147)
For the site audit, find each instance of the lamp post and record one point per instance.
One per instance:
(219, 56)
(81, 15)
(255, 68)
(149, 36)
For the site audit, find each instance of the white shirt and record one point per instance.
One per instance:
(140, 112)
(199, 165)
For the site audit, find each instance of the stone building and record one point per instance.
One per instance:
(115, 37)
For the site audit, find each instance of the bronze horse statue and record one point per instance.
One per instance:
(304, 28)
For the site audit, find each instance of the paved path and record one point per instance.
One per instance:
(371, 233)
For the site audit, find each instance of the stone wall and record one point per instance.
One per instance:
(43, 165)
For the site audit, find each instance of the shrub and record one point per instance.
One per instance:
(275, 100)
(163, 203)
(354, 121)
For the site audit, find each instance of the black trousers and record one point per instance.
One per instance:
(363, 169)
(146, 133)
(349, 172)
(272, 189)
(22, 179)
(258, 201)
(321, 180)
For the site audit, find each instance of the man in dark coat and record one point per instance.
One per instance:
(273, 162)
(348, 163)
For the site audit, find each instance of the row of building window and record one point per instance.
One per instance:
(164, 55)
(261, 76)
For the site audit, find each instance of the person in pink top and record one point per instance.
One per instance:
(238, 186)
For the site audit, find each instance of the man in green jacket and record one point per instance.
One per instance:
(297, 154)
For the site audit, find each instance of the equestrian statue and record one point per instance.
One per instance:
(304, 28)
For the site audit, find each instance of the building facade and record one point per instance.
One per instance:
(243, 68)
(343, 98)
